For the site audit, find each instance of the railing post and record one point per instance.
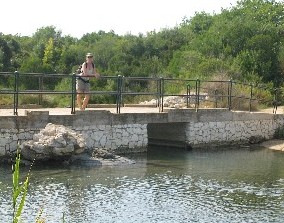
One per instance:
(158, 93)
(230, 86)
(118, 93)
(275, 100)
(73, 94)
(16, 92)
(187, 95)
(40, 84)
(216, 98)
(197, 92)
(250, 100)
(162, 89)
(122, 89)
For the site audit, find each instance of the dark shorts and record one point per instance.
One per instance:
(82, 86)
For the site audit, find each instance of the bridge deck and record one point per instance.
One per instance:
(138, 109)
(67, 111)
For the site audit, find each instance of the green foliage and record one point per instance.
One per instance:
(244, 41)
(244, 96)
(6, 84)
(28, 99)
(19, 190)
(9, 47)
(31, 64)
(103, 85)
(201, 23)
(6, 99)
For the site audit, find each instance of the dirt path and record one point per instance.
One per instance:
(280, 110)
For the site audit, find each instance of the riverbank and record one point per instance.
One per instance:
(274, 144)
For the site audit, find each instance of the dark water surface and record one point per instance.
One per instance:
(231, 185)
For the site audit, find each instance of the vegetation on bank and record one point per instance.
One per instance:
(20, 190)
(243, 43)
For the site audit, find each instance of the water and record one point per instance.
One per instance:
(232, 185)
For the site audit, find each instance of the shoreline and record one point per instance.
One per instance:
(274, 144)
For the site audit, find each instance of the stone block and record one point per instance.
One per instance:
(7, 123)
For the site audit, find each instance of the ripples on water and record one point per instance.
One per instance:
(234, 185)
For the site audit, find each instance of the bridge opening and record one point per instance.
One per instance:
(167, 135)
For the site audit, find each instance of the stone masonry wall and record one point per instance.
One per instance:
(98, 129)
(212, 127)
(123, 138)
(230, 132)
(131, 132)
(128, 137)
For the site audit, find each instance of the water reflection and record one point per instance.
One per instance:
(230, 185)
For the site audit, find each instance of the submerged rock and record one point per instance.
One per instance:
(103, 154)
(99, 157)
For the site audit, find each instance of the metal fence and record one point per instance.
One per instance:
(194, 94)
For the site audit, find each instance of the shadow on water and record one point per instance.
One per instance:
(235, 163)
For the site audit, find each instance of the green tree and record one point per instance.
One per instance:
(5, 54)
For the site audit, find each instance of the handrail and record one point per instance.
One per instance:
(193, 89)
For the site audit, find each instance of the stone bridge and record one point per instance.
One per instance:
(134, 131)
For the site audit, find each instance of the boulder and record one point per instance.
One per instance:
(61, 144)
(52, 143)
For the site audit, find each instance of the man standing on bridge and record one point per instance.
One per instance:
(88, 69)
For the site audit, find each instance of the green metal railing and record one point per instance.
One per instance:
(219, 94)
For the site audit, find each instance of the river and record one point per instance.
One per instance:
(218, 185)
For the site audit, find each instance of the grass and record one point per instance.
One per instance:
(20, 190)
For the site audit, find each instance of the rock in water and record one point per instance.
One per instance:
(100, 157)
(54, 142)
